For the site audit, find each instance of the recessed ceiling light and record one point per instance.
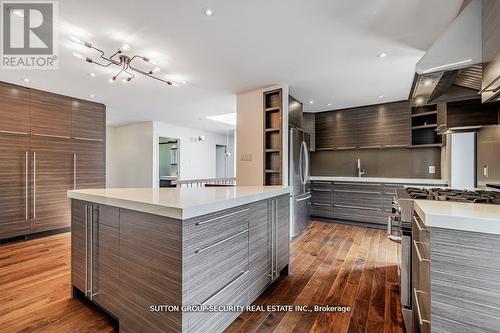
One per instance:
(207, 11)
(427, 82)
(311, 102)
(382, 54)
(419, 100)
(125, 47)
(184, 82)
(91, 95)
(26, 80)
(112, 80)
(156, 69)
(329, 104)
(91, 74)
(380, 96)
(175, 84)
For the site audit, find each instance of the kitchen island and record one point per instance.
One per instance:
(141, 253)
(455, 266)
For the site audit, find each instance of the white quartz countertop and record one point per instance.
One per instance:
(181, 203)
(405, 181)
(474, 217)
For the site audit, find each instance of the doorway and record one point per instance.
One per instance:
(220, 161)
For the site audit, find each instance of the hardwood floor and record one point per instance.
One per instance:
(334, 264)
(331, 264)
(35, 289)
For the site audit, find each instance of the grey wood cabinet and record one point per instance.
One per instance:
(360, 202)
(127, 261)
(49, 144)
(454, 279)
(369, 127)
(95, 253)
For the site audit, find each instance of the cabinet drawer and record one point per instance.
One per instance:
(212, 267)
(322, 196)
(208, 229)
(360, 214)
(232, 293)
(321, 209)
(321, 184)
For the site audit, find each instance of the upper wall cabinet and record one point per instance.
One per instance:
(368, 127)
(89, 120)
(14, 109)
(50, 115)
(491, 50)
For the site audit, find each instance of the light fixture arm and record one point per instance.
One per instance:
(123, 61)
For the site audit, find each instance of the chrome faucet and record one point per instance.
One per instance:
(361, 172)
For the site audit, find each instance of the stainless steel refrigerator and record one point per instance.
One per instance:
(299, 180)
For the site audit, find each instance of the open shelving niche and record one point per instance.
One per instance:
(273, 136)
(424, 127)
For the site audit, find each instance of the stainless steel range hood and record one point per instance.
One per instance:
(451, 69)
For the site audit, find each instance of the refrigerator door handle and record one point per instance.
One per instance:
(305, 160)
(301, 163)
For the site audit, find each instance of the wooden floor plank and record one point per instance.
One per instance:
(331, 264)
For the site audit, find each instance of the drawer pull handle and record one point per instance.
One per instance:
(417, 222)
(415, 244)
(360, 183)
(345, 148)
(221, 241)
(320, 204)
(370, 147)
(419, 312)
(330, 148)
(357, 207)
(52, 136)
(320, 190)
(13, 132)
(87, 139)
(359, 192)
(221, 217)
(223, 288)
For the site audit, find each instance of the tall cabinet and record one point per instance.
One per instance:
(48, 144)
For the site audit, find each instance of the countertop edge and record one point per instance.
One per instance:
(404, 181)
(177, 212)
(458, 223)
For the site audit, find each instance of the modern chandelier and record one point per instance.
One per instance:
(125, 62)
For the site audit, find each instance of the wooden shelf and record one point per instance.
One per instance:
(430, 145)
(273, 109)
(424, 114)
(273, 137)
(424, 126)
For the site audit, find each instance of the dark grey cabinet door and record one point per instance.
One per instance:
(283, 232)
(53, 176)
(105, 257)
(79, 239)
(260, 249)
(14, 186)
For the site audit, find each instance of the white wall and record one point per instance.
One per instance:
(132, 153)
(463, 160)
(129, 152)
(196, 158)
(250, 137)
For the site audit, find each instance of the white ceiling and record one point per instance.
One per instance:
(324, 49)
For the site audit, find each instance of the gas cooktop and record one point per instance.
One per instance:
(448, 194)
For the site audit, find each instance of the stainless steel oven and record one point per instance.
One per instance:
(399, 230)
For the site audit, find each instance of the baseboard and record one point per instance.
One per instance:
(356, 223)
(36, 235)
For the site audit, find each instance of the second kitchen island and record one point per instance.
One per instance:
(135, 250)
